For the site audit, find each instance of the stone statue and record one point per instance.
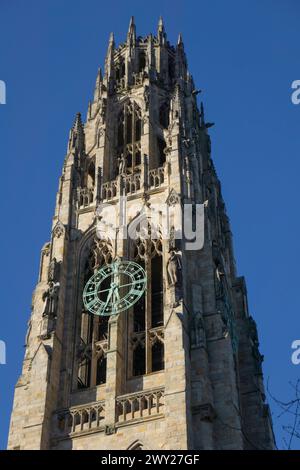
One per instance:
(174, 268)
(29, 328)
(172, 242)
(50, 297)
(84, 351)
(122, 165)
(53, 270)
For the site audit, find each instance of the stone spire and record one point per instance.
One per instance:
(77, 140)
(131, 35)
(179, 40)
(181, 63)
(109, 61)
(161, 33)
(98, 85)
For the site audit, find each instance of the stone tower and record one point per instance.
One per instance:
(181, 368)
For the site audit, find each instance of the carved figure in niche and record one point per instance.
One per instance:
(50, 298)
(122, 165)
(174, 268)
(53, 270)
(49, 314)
(84, 351)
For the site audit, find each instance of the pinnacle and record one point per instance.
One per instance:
(179, 40)
(77, 122)
(111, 38)
(131, 23)
(161, 24)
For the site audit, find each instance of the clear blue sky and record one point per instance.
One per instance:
(244, 54)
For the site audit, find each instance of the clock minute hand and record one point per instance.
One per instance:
(108, 297)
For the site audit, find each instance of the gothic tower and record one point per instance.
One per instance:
(180, 367)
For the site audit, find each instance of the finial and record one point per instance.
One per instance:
(77, 122)
(161, 34)
(131, 30)
(131, 23)
(161, 24)
(111, 38)
(179, 40)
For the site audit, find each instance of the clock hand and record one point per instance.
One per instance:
(108, 298)
(131, 283)
(104, 290)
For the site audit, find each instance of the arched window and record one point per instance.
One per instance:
(161, 145)
(156, 292)
(157, 356)
(171, 66)
(164, 111)
(142, 61)
(146, 320)
(101, 370)
(90, 178)
(120, 69)
(89, 174)
(129, 135)
(93, 329)
(139, 360)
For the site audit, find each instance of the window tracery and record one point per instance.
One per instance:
(129, 136)
(146, 319)
(94, 330)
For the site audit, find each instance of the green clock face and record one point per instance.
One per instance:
(114, 288)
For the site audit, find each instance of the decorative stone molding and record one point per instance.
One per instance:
(59, 230)
(145, 404)
(80, 418)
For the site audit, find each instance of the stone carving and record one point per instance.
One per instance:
(122, 165)
(174, 269)
(54, 270)
(84, 351)
(58, 230)
(109, 429)
(173, 199)
(49, 314)
(50, 298)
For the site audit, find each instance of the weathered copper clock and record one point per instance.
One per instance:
(114, 288)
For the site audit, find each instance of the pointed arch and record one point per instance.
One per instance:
(91, 331)
(137, 445)
(129, 134)
(146, 318)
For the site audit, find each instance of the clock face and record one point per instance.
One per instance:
(114, 288)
